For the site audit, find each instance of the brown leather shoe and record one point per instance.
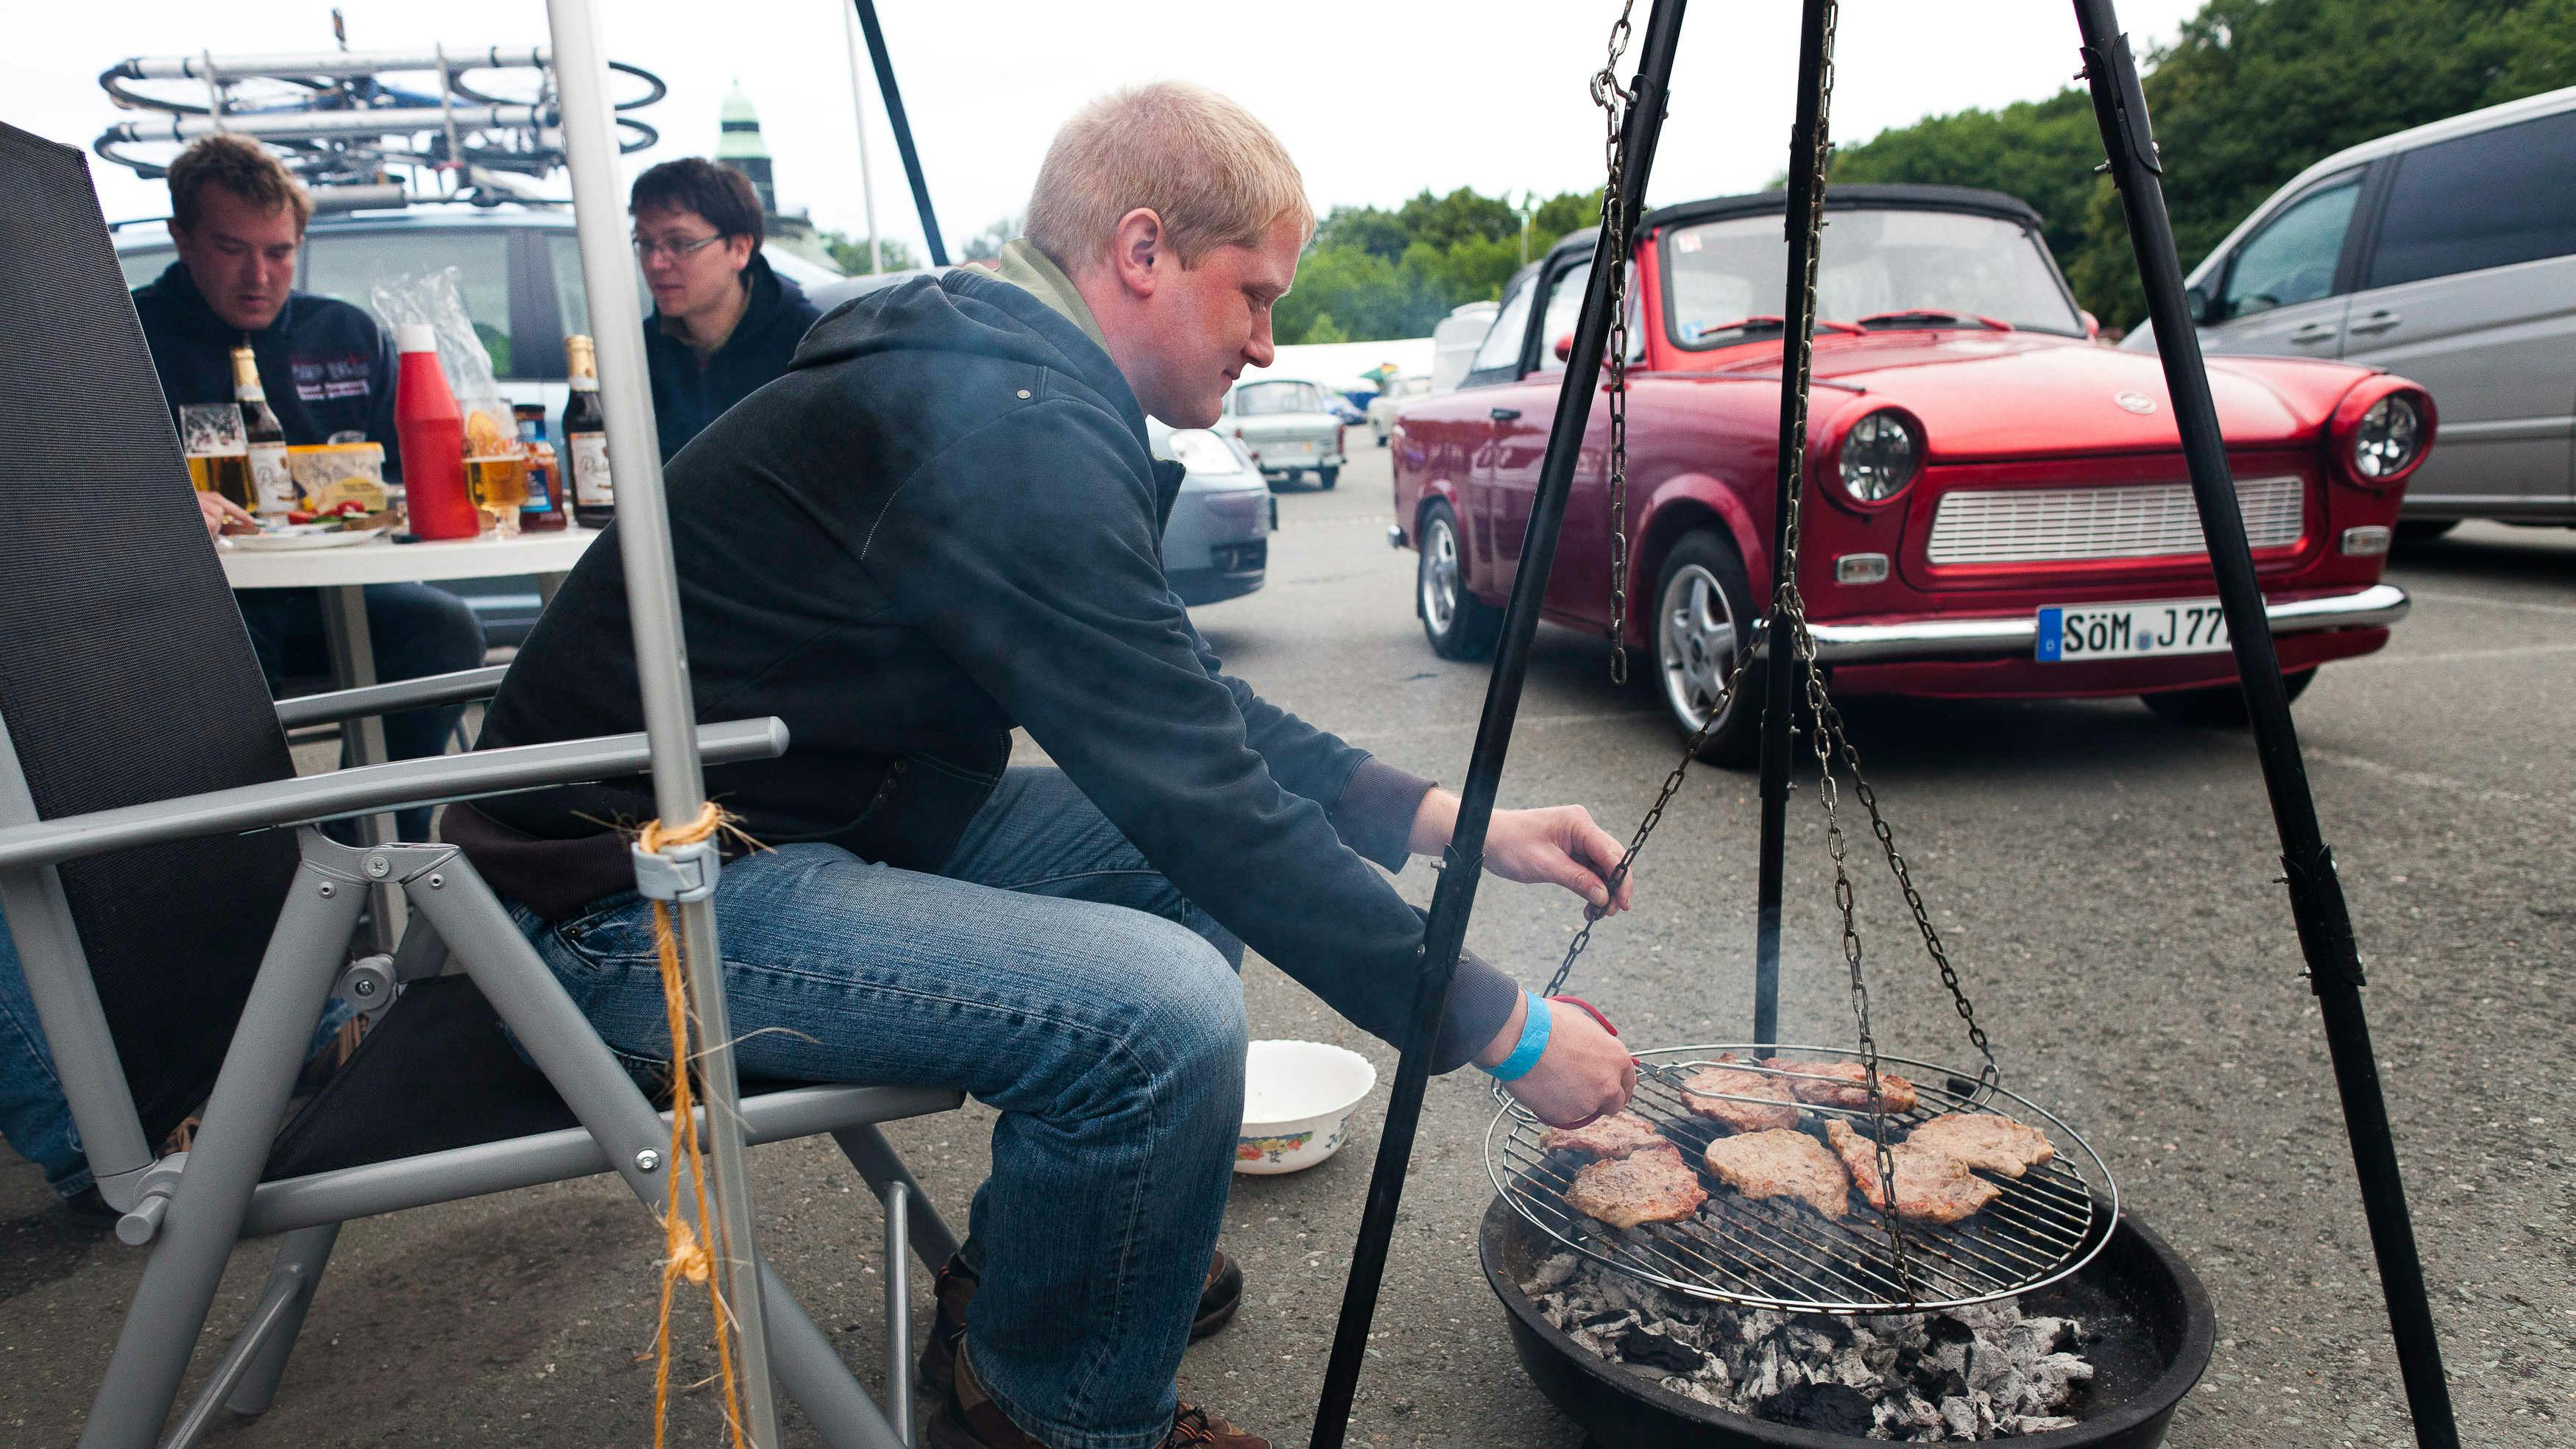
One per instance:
(1218, 1299)
(971, 1420)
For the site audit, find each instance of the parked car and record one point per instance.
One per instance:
(521, 269)
(1997, 506)
(1216, 544)
(2448, 253)
(1399, 391)
(1288, 426)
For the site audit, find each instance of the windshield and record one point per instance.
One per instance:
(1721, 274)
(1257, 399)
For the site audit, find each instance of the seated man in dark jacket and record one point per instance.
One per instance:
(238, 218)
(723, 322)
(944, 521)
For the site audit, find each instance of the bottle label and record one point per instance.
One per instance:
(541, 489)
(272, 486)
(590, 485)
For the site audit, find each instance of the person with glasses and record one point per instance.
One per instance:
(723, 323)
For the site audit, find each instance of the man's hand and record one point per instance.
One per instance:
(221, 513)
(1584, 1073)
(1557, 845)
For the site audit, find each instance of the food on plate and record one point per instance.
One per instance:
(1931, 1185)
(1649, 1185)
(1844, 1084)
(1782, 1163)
(1616, 1135)
(1983, 1139)
(1775, 1106)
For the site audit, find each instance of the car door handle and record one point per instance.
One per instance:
(2379, 321)
(1505, 415)
(2314, 332)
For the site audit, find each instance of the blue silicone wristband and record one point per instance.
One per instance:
(1534, 1030)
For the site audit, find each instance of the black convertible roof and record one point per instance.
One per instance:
(1975, 200)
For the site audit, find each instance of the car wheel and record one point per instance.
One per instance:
(1326, 477)
(2220, 706)
(1458, 624)
(1704, 619)
(1381, 436)
(2424, 530)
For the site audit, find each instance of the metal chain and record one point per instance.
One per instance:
(1614, 103)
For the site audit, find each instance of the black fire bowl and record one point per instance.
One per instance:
(2138, 1293)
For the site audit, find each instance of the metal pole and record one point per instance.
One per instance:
(1779, 695)
(661, 662)
(2316, 896)
(902, 130)
(1455, 897)
(859, 111)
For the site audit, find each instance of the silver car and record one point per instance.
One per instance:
(1287, 426)
(1399, 391)
(2448, 254)
(1216, 545)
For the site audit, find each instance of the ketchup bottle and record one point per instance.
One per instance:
(431, 433)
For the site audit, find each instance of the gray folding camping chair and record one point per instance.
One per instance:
(183, 924)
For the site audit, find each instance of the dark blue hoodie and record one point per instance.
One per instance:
(941, 522)
(323, 362)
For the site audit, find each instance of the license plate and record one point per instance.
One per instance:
(2072, 632)
(1301, 450)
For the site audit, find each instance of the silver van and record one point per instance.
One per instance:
(2446, 253)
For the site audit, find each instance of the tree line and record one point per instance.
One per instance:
(2251, 93)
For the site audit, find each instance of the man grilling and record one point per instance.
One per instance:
(942, 522)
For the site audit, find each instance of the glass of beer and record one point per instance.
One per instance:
(218, 449)
(498, 481)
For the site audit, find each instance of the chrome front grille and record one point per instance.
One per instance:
(2036, 525)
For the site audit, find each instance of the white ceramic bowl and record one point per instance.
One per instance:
(1298, 1097)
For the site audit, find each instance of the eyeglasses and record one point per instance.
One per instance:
(646, 247)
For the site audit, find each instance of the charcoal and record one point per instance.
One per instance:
(1654, 1350)
(1944, 1328)
(1826, 1408)
(1835, 1330)
(1604, 1318)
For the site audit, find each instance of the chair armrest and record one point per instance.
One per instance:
(402, 694)
(369, 790)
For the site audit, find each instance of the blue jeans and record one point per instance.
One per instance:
(1053, 973)
(415, 631)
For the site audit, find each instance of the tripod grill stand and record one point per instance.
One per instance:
(2316, 897)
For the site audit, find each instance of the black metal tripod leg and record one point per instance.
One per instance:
(2316, 898)
(1455, 896)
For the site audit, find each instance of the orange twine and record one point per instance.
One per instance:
(685, 1252)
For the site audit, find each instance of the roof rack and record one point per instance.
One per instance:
(473, 123)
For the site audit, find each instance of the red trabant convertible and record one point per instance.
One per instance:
(1997, 504)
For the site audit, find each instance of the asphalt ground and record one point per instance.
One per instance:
(2103, 878)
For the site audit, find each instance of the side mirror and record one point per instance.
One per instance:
(2092, 327)
(2203, 311)
(1564, 348)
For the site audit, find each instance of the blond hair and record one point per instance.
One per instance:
(239, 165)
(1215, 175)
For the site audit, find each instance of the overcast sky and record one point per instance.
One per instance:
(1376, 102)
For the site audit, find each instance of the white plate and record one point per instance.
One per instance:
(295, 537)
(2075, 633)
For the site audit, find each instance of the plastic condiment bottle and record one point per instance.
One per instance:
(431, 433)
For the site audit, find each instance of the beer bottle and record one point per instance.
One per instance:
(544, 509)
(585, 436)
(272, 487)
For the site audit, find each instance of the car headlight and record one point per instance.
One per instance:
(1201, 451)
(2390, 437)
(1880, 455)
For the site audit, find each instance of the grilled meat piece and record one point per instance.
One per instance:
(1983, 1139)
(1649, 1185)
(1616, 1135)
(1777, 1107)
(1844, 1084)
(1782, 1163)
(1931, 1185)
